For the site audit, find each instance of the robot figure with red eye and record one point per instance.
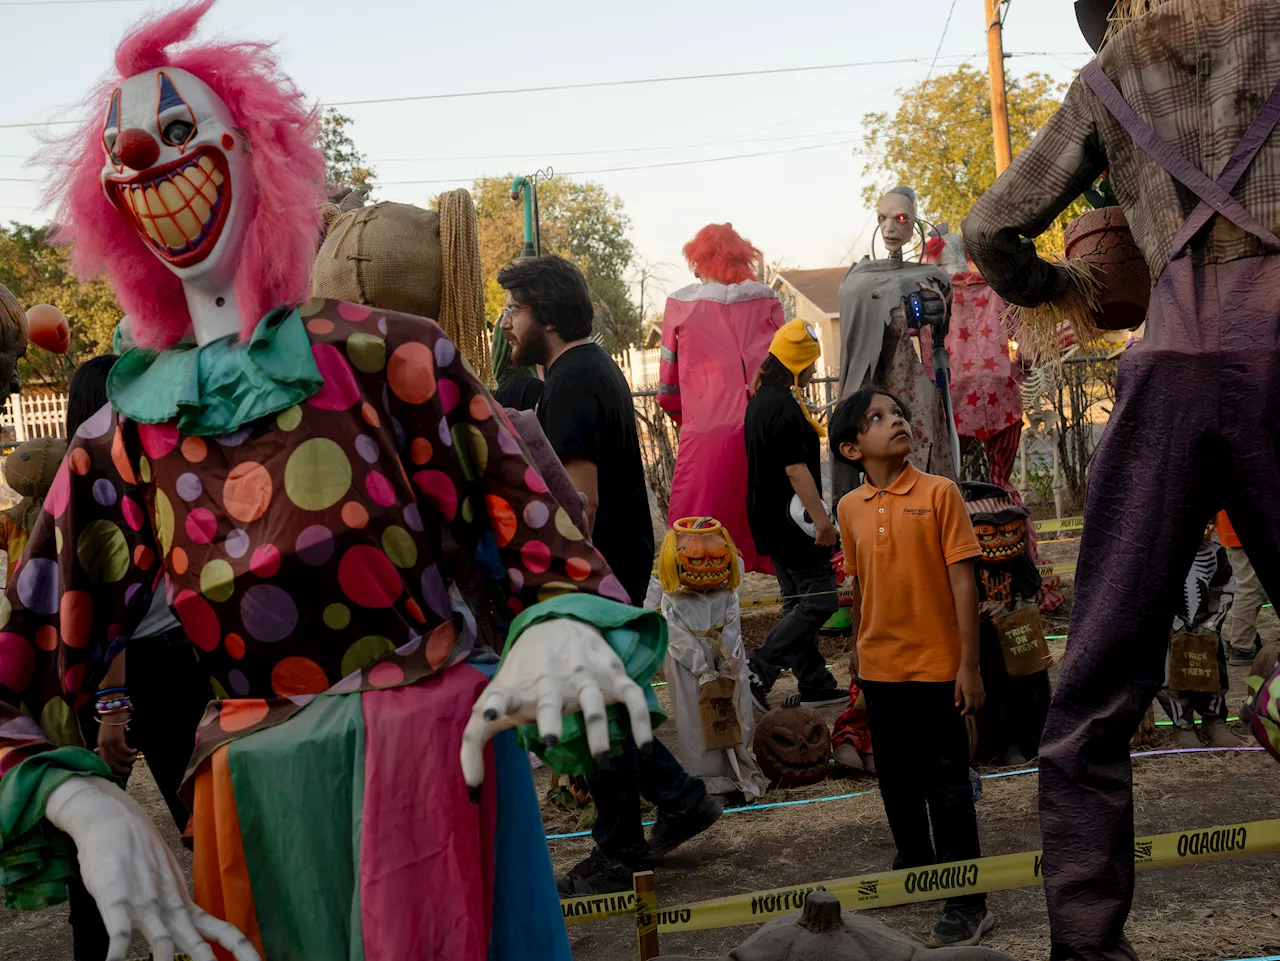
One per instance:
(1011, 638)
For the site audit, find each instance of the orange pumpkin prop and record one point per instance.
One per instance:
(698, 555)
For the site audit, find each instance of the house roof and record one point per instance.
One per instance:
(821, 286)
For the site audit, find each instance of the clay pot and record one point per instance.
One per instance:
(1102, 238)
(822, 932)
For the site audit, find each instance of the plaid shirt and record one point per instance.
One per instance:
(1196, 71)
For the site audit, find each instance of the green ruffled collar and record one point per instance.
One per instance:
(218, 388)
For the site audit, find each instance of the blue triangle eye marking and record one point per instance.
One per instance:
(169, 96)
(113, 112)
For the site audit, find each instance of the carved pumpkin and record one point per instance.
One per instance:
(792, 746)
(822, 932)
(1002, 542)
(698, 555)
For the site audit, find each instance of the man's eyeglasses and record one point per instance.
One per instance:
(509, 312)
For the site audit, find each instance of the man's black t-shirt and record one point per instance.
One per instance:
(586, 412)
(518, 389)
(779, 435)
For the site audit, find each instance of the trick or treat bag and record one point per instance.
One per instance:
(720, 728)
(1193, 663)
(1022, 641)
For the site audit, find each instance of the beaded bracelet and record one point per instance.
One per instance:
(113, 703)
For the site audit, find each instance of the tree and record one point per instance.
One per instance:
(346, 168)
(939, 142)
(38, 273)
(579, 221)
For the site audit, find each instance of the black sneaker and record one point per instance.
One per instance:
(1244, 658)
(961, 926)
(598, 874)
(759, 693)
(815, 697)
(672, 830)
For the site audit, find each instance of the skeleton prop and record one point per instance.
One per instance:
(336, 507)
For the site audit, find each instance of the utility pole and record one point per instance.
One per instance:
(999, 106)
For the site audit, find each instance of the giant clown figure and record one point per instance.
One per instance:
(358, 544)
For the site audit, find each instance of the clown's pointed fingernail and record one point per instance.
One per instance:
(603, 762)
(552, 742)
(490, 714)
(474, 793)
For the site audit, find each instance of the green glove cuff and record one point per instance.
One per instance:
(36, 859)
(638, 637)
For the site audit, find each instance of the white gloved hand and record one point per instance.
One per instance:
(134, 877)
(556, 667)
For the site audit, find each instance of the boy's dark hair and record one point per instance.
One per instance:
(774, 372)
(850, 419)
(88, 391)
(554, 290)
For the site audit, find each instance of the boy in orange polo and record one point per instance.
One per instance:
(910, 547)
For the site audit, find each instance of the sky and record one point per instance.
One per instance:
(800, 203)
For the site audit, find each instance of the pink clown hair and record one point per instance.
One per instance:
(284, 156)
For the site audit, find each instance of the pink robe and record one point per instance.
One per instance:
(714, 338)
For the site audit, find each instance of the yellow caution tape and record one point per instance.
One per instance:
(889, 888)
(1057, 524)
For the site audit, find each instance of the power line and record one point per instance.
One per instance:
(57, 3)
(945, 27)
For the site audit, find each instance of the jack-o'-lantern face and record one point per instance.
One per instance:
(698, 555)
(1002, 542)
(792, 746)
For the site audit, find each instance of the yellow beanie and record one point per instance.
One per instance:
(796, 346)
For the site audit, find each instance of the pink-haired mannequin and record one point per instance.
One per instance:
(267, 476)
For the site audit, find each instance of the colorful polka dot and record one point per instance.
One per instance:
(158, 440)
(415, 610)
(420, 450)
(188, 486)
(6, 610)
(311, 307)
(353, 313)
(75, 618)
(164, 521)
(337, 616)
(370, 415)
(533, 480)
(199, 620)
(435, 593)
(79, 462)
(368, 353)
(104, 492)
(103, 551)
(320, 326)
(368, 449)
(450, 394)
(219, 691)
(440, 644)
(298, 675)
(502, 517)
(400, 547)
(265, 561)
(289, 418)
(473, 450)
(97, 425)
(143, 557)
(178, 561)
(578, 568)
(442, 431)
(386, 674)
(268, 613)
(507, 442)
(241, 715)
(516, 576)
(317, 474)
(236, 438)
(411, 373)
(201, 526)
(314, 545)
(247, 492)
(236, 543)
(364, 652)
(339, 391)
(445, 351)
(47, 637)
(536, 556)
(119, 458)
(234, 644)
(479, 408)
(368, 578)
(217, 581)
(438, 489)
(566, 527)
(55, 502)
(380, 489)
(554, 589)
(194, 449)
(133, 515)
(412, 517)
(354, 515)
(144, 469)
(536, 514)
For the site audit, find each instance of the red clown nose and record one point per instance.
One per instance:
(137, 149)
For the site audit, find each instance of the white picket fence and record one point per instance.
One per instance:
(28, 416)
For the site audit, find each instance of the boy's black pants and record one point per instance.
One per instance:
(922, 762)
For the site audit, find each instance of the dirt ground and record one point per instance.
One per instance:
(1210, 912)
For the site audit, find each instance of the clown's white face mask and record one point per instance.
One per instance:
(176, 167)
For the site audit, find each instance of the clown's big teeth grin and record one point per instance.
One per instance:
(178, 209)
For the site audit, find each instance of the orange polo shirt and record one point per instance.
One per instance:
(898, 543)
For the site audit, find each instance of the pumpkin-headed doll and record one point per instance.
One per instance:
(706, 666)
(1011, 638)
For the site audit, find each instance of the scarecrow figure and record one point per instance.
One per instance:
(354, 535)
(29, 471)
(1179, 108)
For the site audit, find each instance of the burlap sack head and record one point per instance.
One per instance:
(386, 256)
(30, 469)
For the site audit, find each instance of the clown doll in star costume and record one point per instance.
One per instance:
(877, 338)
(340, 509)
(1012, 718)
(699, 571)
(715, 335)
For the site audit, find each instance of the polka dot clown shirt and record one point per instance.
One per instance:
(367, 537)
